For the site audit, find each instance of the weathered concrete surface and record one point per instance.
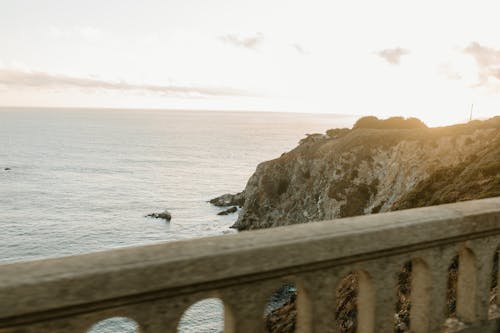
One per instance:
(48, 295)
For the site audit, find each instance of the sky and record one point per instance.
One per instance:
(428, 59)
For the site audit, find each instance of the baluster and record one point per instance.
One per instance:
(247, 304)
(438, 267)
(304, 306)
(317, 304)
(484, 253)
(466, 286)
(385, 282)
(247, 318)
(164, 315)
(420, 297)
(366, 303)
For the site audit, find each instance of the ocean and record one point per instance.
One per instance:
(82, 180)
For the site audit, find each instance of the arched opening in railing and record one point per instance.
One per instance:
(355, 308)
(412, 308)
(115, 325)
(403, 304)
(451, 292)
(205, 316)
(280, 314)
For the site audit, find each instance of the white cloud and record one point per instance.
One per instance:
(249, 42)
(488, 63)
(393, 56)
(14, 78)
(297, 47)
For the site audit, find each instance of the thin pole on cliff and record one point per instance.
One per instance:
(471, 107)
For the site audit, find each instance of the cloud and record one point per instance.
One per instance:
(297, 47)
(41, 80)
(393, 56)
(248, 42)
(487, 60)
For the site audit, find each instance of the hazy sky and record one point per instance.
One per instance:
(430, 59)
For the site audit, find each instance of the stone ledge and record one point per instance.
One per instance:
(45, 285)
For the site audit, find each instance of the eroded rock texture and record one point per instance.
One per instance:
(364, 171)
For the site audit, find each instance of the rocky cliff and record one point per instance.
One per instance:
(371, 169)
(377, 166)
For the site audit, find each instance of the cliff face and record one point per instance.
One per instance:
(362, 171)
(477, 177)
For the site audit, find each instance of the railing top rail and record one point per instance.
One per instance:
(44, 285)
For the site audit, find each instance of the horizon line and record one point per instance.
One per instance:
(173, 109)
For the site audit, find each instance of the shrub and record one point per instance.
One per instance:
(390, 123)
(367, 122)
(337, 132)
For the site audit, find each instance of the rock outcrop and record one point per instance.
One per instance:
(369, 170)
(228, 211)
(165, 215)
(229, 199)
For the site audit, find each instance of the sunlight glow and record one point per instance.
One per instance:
(359, 57)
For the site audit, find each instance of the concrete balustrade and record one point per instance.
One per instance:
(154, 285)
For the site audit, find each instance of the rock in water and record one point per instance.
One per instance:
(231, 210)
(7, 169)
(165, 215)
(229, 199)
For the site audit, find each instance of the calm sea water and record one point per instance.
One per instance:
(83, 180)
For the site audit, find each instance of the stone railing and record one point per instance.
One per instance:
(154, 285)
